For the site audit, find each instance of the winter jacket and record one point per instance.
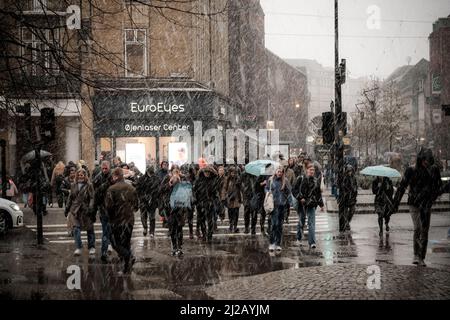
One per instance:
(220, 184)
(296, 187)
(80, 206)
(247, 183)
(290, 176)
(383, 191)
(121, 203)
(310, 191)
(259, 190)
(233, 192)
(425, 186)
(101, 184)
(206, 189)
(298, 170)
(280, 195)
(66, 185)
(147, 188)
(162, 174)
(349, 190)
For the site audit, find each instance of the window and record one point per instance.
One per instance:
(135, 52)
(420, 85)
(43, 5)
(38, 58)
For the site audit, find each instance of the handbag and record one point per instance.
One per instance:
(268, 200)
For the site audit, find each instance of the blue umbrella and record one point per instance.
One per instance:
(261, 167)
(381, 171)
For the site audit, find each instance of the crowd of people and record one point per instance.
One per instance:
(199, 194)
(114, 191)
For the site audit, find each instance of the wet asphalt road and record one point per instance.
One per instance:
(27, 271)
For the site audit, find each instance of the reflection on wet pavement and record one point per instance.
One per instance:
(158, 275)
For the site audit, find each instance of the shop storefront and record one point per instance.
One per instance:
(137, 125)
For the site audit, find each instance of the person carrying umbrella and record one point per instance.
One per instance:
(383, 189)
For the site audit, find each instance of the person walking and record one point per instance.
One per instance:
(221, 201)
(56, 182)
(383, 190)
(164, 192)
(289, 173)
(102, 181)
(425, 186)
(67, 184)
(147, 188)
(80, 211)
(310, 197)
(233, 198)
(280, 188)
(121, 202)
(260, 185)
(347, 198)
(300, 208)
(205, 193)
(247, 183)
(180, 203)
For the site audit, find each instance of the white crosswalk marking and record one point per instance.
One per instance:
(57, 233)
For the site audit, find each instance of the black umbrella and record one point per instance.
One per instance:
(32, 155)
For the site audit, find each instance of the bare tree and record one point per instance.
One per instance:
(393, 115)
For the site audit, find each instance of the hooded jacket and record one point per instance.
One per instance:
(147, 188)
(425, 184)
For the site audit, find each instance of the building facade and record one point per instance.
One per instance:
(127, 77)
(289, 100)
(438, 89)
(248, 61)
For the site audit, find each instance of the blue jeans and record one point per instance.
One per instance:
(77, 236)
(106, 233)
(301, 220)
(311, 212)
(277, 225)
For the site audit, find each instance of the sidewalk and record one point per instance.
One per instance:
(342, 282)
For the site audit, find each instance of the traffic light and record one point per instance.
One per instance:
(48, 125)
(343, 123)
(328, 127)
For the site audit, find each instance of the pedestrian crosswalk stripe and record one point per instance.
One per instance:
(57, 233)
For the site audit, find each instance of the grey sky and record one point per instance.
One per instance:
(305, 29)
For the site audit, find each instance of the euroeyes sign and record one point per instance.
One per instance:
(159, 107)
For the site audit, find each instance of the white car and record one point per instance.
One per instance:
(10, 215)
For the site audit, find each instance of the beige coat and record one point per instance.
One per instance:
(80, 204)
(121, 202)
(290, 176)
(233, 192)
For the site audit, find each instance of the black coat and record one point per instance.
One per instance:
(383, 191)
(349, 191)
(425, 185)
(147, 188)
(206, 189)
(310, 191)
(296, 187)
(101, 183)
(247, 183)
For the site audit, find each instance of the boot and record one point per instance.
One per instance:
(152, 227)
(191, 231)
